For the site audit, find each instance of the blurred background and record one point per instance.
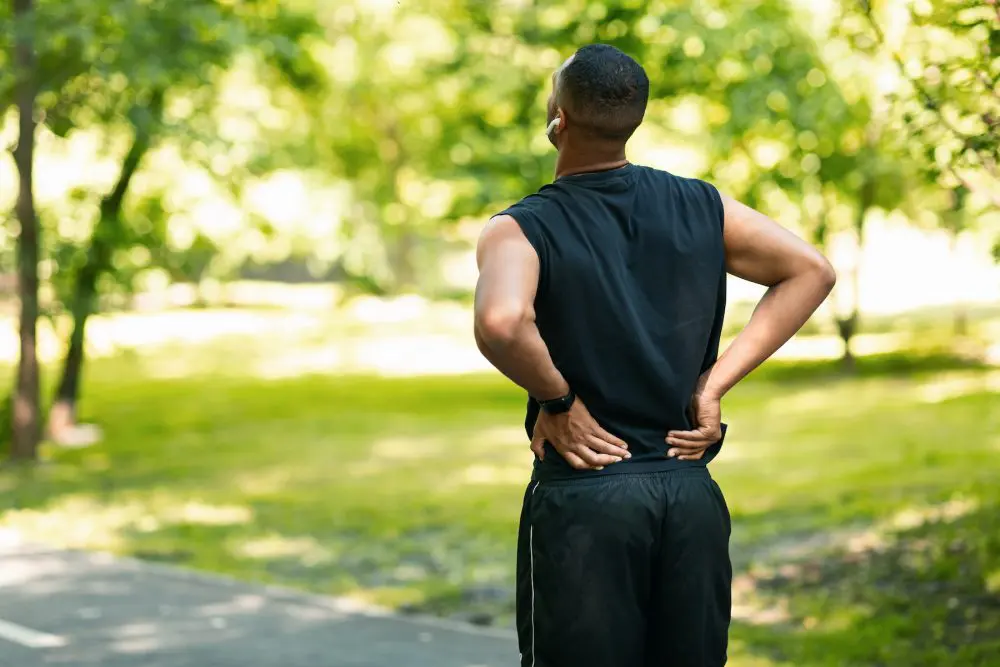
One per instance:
(235, 325)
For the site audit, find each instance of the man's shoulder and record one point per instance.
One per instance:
(534, 202)
(532, 209)
(534, 215)
(688, 182)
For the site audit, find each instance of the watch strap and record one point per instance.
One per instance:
(559, 405)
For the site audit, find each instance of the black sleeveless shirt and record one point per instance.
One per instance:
(630, 302)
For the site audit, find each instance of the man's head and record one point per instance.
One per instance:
(600, 94)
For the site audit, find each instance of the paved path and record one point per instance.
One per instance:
(78, 609)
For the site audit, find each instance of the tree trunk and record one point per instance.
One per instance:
(62, 416)
(25, 417)
(103, 242)
(960, 314)
(961, 320)
(848, 326)
(404, 265)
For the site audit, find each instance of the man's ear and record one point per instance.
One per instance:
(557, 123)
(561, 117)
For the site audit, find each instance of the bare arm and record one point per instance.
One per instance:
(507, 335)
(798, 278)
(504, 312)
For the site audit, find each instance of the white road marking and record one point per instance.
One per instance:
(27, 637)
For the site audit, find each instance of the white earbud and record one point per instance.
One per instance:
(552, 126)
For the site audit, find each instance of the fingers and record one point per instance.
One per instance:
(585, 457)
(581, 441)
(576, 462)
(581, 456)
(685, 448)
(704, 435)
(700, 433)
(594, 459)
(600, 445)
(601, 460)
(691, 445)
(538, 447)
(607, 437)
(687, 453)
(538, 437)
(690, 449)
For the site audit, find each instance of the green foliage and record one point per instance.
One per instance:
(146, 74)
(425, 113)
(948, 103)
(433, 117)
(951, 63)
(100, 58)
(441, 119)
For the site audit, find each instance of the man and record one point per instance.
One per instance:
(603, 297)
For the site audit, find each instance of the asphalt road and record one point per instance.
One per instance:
(77, 609)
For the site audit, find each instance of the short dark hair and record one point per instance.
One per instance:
(605, 90)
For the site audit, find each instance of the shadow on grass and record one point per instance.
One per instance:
(926, 595)
(886, 365)
(934, 320)
(440, 570)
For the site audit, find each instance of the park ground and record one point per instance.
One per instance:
(866, 506)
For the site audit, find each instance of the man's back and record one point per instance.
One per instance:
(630, 300)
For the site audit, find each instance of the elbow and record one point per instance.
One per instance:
(826, 275)
(499, 325)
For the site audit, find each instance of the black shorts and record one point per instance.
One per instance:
(627, 570)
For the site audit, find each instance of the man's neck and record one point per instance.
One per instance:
(572, 162)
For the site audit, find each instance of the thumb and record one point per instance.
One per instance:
(538, 444)
(710, 428)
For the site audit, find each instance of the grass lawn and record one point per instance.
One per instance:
(866, 510)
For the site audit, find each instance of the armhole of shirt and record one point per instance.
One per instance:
(531, 228)
(720, 208)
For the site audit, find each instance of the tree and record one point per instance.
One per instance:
(104, 241)
(26, 413)
(948, 55)
(955, 220)
(860, 166)
(947, 105)
(115, 60)
(435, 119)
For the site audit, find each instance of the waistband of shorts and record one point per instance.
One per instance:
(671, 467)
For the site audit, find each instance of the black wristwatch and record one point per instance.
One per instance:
(557, 406)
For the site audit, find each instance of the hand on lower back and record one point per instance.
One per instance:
(578, 438)
(706, 418)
